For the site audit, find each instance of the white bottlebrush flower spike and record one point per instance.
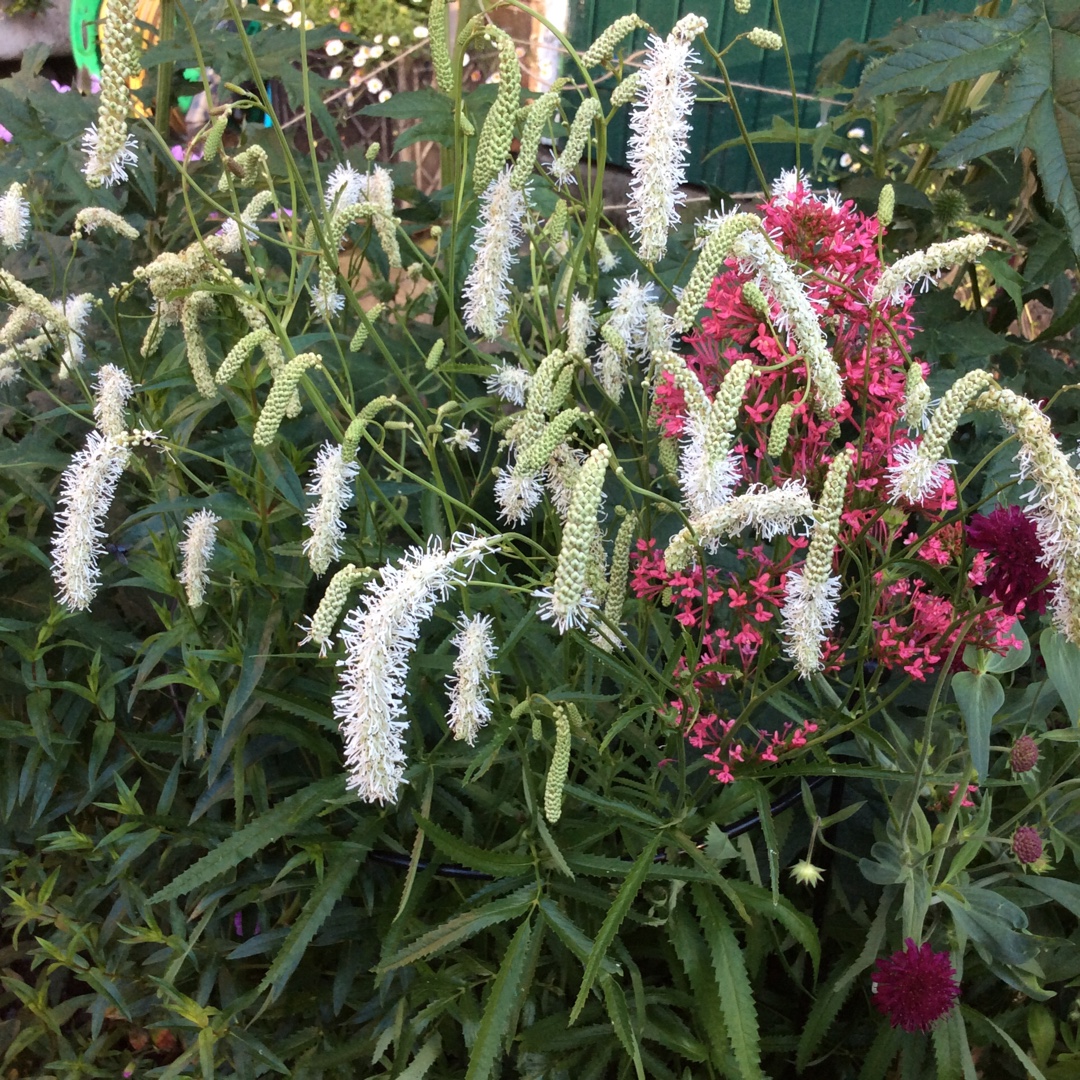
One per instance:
(914, 476)
(518, 494)
(380, 635)
(75, 310)
(659, 136)
(332, 487)
(113, 390)
(487, 286)
(87, 489)
(197, 548)
(326, 302)
(463, 438)
(14, 216)
(470, 705)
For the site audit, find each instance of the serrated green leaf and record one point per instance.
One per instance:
(827, 1003)
(343, 864)
(979, 695)
(1007, 1040)
(689, 945)
(736, 995)
(501, 864)
(425, 1057)
(257, 834)
(963, 48)
(571, 935)
(619, 1014)
(503, 999)
(462, 927)
(612, 921)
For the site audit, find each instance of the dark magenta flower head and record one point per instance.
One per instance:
(915, 987)
(1011, 540)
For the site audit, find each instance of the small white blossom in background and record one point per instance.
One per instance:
(332, 485)
(197, 547)
(14, 216)
(470, 705)
(113, 389)
(335, 47)
(326, 302)
(659, 138)
(336, 72)
(509, 382)
(463, 438)
(380, 635)
(487, 286)
(87, 489)
(420, 32)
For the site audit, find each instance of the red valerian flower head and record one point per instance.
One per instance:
(915, 987)
(1010, 538)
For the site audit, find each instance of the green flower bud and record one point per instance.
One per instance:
(320, 626)
(716, 249)
(362, 331)
(537, 117)
(752, 294)
(355, 431)
(439, 42)
(780, 429)
(240, 354)
(435, 355)
(212, 142)
(285, 385)
(497, 133)
(886, 205)
(533, 457)
(560, 767)
(196, 306)
(603, 48)
(626, 91)
(562, 168)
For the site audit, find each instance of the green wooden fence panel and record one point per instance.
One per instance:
(813, 27)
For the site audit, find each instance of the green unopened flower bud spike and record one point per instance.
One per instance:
(564, 166)
(285, 385)
(319, 628)
(560, 767)
(355, 431)
(718, 243)
(497, 134)
(568, 603)
(537, 118)
(439, 42)
(603, 48)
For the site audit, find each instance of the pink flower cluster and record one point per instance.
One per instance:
(733, 613)
(714, 735)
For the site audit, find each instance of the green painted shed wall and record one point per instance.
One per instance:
(813, 27)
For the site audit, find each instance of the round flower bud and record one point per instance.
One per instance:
(1024, 755)
(886, 205)
(1027, 845)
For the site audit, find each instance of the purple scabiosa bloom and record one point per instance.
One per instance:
(1011, 539)
(915, 987)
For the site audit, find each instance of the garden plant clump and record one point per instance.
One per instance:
(448, 637)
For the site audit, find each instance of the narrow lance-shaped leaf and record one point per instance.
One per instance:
(253, 837)
(504, 996)
(736, 996)
(629, 890)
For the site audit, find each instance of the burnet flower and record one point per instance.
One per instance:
(920, 469)
(509, 382)
(14, 216)
(109, 149)
(332, 487)
(470, 704)
(623, 334)
(809, 609)
(197, 548)
(487, 285)
(797, 316)
(770, 512)
(87, 488)
(113, 389)
(380, 635)
(74, 312)
(319, 628)
(709, 467)
(659, 137)
(896, 281)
